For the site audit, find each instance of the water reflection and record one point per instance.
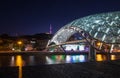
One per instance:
(26, 60)
(32, 60)
(75, 58)
(55, 59)
(100, 57)
(113, 57)
(12, 63)
(19, 62)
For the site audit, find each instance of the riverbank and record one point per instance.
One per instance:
(107, 69)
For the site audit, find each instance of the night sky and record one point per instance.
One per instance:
(26, 17)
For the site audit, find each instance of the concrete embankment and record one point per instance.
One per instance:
(107, 69)
(9, 72)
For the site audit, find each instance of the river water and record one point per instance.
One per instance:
(31, 60)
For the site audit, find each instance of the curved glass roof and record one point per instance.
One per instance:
(104, 27)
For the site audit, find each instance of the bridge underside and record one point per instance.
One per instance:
(102, 29)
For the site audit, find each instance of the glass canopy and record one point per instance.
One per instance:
(104, 27)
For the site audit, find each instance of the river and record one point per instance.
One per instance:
(38, 59)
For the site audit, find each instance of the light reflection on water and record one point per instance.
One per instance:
(113, 57)
(12, 63)
(27, 60)
(100, 57)
(55, 59)
(75, 58)
(21, 61)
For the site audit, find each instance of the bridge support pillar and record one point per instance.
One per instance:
(92, 54)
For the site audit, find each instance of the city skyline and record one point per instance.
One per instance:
(30, 17)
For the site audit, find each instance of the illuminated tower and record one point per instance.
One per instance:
(50, 29)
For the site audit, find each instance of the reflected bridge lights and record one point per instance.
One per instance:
(56, 59)
(75, 58)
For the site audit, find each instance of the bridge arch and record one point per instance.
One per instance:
(104, 27)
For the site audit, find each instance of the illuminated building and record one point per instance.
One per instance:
(24, 42)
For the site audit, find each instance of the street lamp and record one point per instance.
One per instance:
(19, 43)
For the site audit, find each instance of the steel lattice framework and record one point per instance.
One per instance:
(105, 27)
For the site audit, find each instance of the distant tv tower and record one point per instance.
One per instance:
(50, 29)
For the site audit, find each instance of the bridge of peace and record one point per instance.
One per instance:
(94, 33)
(91, 35)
